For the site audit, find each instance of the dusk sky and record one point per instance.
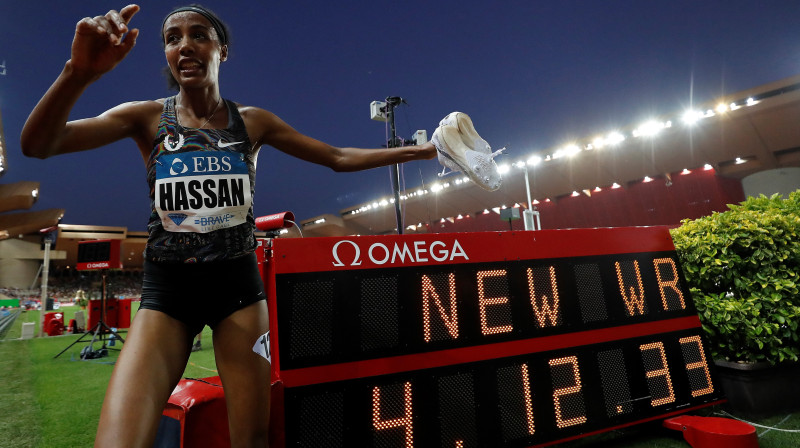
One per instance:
(532, 75)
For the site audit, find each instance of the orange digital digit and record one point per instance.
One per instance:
(484, 301)
(661, 371)
(633, 302)
(548, 310)
(560, 392)
(429, 294)
(671, 284)
(701, 364)
(406, 421)
(526, 386)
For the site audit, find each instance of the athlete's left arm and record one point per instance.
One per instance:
(266, 128)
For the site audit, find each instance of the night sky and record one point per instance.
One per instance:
(532, 75)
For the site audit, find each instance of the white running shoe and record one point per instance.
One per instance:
(454, 153)
(463, 123)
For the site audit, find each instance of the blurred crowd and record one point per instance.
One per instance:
(65, 286)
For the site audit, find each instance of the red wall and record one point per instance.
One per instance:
(692, 195)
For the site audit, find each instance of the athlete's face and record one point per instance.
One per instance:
(193, 49)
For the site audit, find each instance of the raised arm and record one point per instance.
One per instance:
(100, 43)
(275, 132)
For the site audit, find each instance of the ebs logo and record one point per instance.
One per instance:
(178, 167)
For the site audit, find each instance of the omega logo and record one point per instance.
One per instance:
(418, 252)
(97, 265)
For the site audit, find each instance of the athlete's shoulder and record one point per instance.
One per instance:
(252, 111)
(258, 120)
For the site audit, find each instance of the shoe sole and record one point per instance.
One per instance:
(453, 153)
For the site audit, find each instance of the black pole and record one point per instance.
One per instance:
(391, 102)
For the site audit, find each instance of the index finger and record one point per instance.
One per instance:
(127, 13)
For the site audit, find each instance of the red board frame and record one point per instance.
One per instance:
(330, 255)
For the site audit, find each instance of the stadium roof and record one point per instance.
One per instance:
(26, 223)
(22, 196)
(18, 196)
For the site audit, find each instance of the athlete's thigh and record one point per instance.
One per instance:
(149, 366)
(245, 374)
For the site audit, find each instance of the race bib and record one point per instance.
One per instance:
(202, 191)
(262, 347)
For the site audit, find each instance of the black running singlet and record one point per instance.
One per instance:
(202, 183)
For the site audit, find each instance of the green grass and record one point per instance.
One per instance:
(55, 402)
(19, 412)
(69, 392)
(47, 402)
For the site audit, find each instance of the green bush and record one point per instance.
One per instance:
(743, 270)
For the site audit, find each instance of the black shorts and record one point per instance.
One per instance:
(200, 294)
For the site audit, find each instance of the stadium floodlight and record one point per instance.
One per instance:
(614, 138)
(692, 116)
(571, 150)
(534, 160)
(503, 168)
(650, 128)
(567, 151)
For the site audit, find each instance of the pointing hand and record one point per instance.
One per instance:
(101, 42)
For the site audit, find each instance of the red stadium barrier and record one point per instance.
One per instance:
(96, 308)
(123, 313)
(195, 415)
